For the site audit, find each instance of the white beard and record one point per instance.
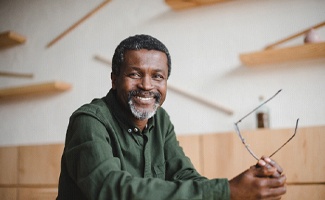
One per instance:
(141, 113)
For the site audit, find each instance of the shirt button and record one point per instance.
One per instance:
(136, 130)
(129, 130)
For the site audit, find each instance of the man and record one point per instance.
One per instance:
(123, 146)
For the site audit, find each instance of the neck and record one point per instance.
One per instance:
(141, 124)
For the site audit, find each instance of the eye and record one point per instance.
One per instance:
(158, 77)
(134, 75)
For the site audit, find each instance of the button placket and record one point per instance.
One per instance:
(147, 158)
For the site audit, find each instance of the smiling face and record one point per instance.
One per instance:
(141, 85)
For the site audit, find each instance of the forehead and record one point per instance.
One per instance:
(145, 57)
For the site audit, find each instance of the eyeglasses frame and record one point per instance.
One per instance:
(243, 140)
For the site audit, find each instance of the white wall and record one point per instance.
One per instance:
(204, 43)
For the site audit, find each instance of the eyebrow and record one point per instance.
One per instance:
(139, 69)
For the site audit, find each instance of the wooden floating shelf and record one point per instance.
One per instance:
(15, 74)
(10, 38)
(59, 37)
(184, 4)
(295, 53)
(103, 59)
(35, 89)
(272, 55)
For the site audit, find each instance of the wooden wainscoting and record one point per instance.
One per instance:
(222, 155)
(32, 172)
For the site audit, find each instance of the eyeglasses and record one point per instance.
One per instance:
(243, 139)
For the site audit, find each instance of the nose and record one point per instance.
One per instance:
(146, 83)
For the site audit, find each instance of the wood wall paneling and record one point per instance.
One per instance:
(303, 159)
(8, 165)
(305, 192)
(302, 152)
(32, 172)
(40, 164)
(8, 193)
(225, 156)
(191, 145)
(37, 193)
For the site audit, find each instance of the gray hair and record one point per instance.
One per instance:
(137, 42)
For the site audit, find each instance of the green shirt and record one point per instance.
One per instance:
(106, 157)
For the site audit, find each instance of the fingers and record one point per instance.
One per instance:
(273, 163)
(249, 185)
(263, 169)
(268, 167)
(277, 182)
(276, 187)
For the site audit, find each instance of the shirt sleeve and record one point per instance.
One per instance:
(92, 166)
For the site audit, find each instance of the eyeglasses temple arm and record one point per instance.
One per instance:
(259, 106)
(288, 140)
(244, 142)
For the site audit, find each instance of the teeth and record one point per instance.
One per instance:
(144, 98)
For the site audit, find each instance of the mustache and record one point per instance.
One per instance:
(155, 95)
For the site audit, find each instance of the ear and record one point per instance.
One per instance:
(113, 79)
